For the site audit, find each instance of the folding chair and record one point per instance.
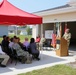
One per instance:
(13, 55)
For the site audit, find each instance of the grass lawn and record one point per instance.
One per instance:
(55, 70)
(22, 37)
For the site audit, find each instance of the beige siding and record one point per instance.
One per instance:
(60, 18)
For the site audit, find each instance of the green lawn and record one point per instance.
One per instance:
(0, 39)
(22, 37)
(55, 70)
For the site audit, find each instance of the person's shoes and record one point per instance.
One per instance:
(33, 57)
(38, 59)
(2, 65)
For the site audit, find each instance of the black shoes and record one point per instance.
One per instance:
(38, 59)
(2, 65)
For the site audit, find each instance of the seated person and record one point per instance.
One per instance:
(33, 49)
(14, 36)
(21, 44)
(5, 44)
(5, 58)
(7, 41)
(11, 43)
(26, 43)
(19, 50)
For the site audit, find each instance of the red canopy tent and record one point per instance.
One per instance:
(10, 15)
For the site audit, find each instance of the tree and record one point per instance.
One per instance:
(29, 30)
(18, 32)
(24, 26)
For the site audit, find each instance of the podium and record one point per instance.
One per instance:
(62, 49)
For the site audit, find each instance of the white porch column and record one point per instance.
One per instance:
(41, 30)
(35, 31)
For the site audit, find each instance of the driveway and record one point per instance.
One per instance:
(47, 58)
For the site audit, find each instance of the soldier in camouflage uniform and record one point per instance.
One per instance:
(42, 41)
(67, 36)
(20, 52)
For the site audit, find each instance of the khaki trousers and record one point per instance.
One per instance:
(5, 57)
(41, 46)
(37, 44)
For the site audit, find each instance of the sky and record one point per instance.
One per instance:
(37, 5)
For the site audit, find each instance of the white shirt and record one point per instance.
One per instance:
(11, 44)
(1, 52)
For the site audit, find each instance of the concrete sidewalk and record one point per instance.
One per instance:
(48, 58)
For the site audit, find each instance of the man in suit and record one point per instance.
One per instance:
(4, 58)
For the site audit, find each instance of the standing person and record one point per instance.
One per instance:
(67, 36)
(42, 42)
(39, 38)
(37, 41)
(4, 58)
(33, 48)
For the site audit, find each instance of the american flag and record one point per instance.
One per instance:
(53, 43)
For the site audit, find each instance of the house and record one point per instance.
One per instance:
(11, 29)
(56, 16)
(3, 30)
(23, 32)
(16, 30)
